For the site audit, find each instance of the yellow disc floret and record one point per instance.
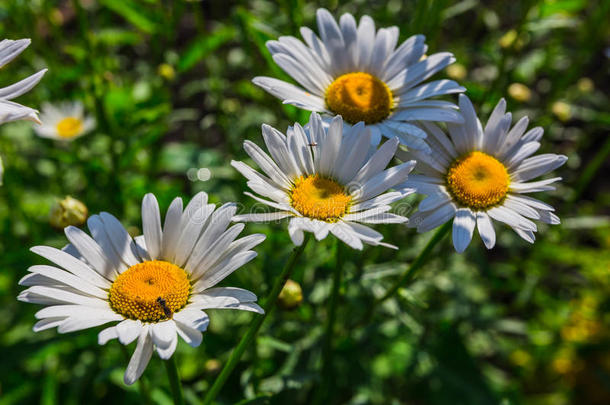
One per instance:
(478, 180)
(359, 97)
(150, 291)
(69, 127)
(320, 198)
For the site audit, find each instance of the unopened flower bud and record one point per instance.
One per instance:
(508, 39)
(291, 295)
(212, 366)
(520, 92)
(167, 71)
(68, 211)
(562, 110)
(456, 71)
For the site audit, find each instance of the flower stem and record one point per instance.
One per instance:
(174, 380)
(408, 276)
(327, 345)
(419, 261)
(257, 322)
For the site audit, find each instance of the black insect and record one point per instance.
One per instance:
(313, 144)
(168, 312)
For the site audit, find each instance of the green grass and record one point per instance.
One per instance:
(521, 324)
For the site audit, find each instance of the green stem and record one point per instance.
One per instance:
(327, 345)
(174, 380)
(256, 324)
(590, 170)
(419, 261)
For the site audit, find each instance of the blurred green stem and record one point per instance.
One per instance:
(256, 324)
(590, 170)
(419, 261)
(327, 345)
(174, 380)
(408, 276)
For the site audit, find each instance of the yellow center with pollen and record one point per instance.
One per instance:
(69, 127)
(478, 180)
(150, 291)
(320, 198)
(359, 97)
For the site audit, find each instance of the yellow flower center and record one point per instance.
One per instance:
(359, 97)
(320, 198)
(150, 291)
(69, 127)
(478, 180)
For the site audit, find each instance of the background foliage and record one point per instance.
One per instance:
(170, 85)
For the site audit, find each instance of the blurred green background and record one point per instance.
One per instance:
(170, 84)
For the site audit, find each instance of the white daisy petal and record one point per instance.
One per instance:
(10, 111)
(486, 229)
(91, 251)
(140, 358)
(128, 330)
(171, 228)
(151, 225)
(106, 335)
(463, 227)
(190, 335)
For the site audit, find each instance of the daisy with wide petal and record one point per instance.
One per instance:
(64, 122)
(357, 72)
(475, 175)
(326, 180)
(155, 286)
(11, 111)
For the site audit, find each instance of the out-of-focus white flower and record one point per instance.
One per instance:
(65, 122)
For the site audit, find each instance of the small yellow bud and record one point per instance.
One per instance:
(508, 39)
(520, 92)
(562, 110)
(585, 85)
(520, 358)
(167, 71)
(457, 71)
(212, 366)
(423, 57)
(291, 295)
(56, 17)
(68, 211)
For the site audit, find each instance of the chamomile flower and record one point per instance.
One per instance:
(155, 286)
(11, 111)
(476, 174)
(358, 72)
(64, 122)
(326, 180)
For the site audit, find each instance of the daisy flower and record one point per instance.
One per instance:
(358, 72)
(64, 122)
(10, 111)
(155, 286)
(477, 174)
(326, 180)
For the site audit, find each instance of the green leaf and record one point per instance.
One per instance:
(132, 12)
(203, 45)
